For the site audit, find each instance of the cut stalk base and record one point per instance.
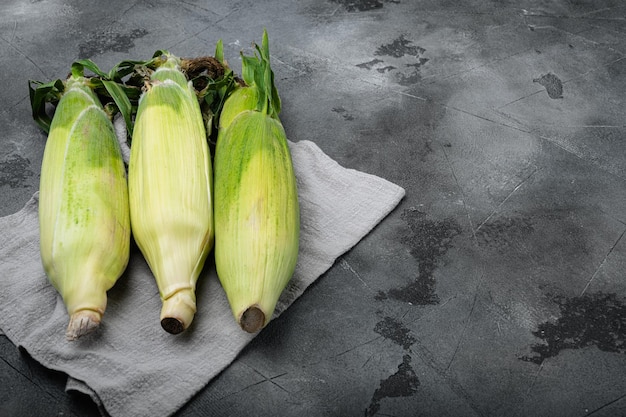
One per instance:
(81, 323)
(252, 320)
(172, 325)
(178, 311)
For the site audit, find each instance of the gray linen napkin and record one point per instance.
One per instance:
(130, 366)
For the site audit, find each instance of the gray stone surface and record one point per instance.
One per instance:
(496, 288)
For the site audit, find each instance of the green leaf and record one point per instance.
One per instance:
(219, 51)
(79, 66)
(256, 71)
(39, 96)
(215, 94)
(122, 69)
(121, 101)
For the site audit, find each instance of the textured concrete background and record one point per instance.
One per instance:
(496, 288)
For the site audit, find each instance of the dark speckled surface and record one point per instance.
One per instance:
(498, 285)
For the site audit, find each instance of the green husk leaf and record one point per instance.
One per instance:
(122, 101)
(100, 83)
(219, 51)
(78, 68)
(41, 94)
(257, 72)
(128, 67)
(122, 86)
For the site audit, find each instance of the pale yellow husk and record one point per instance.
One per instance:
(256, 214)
(170, 186)
(83, 207)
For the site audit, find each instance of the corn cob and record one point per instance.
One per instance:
(83, 206)
(257, 219)
(170, 187)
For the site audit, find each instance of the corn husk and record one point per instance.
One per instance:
(83, 206)
(170, 186)
(257, 219)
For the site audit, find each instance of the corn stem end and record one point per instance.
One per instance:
(253, 319)
(81, 323)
